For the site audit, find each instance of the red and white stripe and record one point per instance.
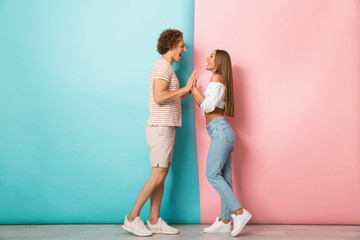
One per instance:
(169, 113)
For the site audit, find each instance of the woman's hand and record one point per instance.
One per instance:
(192, 80)
(195, 80)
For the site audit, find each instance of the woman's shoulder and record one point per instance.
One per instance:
(217, 78)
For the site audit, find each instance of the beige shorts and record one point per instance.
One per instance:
(161, 141)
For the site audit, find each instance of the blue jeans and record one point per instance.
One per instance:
(218, 166)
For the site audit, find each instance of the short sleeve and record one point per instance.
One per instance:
(163, 71)
(213, 96)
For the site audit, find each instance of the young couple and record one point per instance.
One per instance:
(165, 95)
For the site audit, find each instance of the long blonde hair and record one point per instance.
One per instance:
(223, 67)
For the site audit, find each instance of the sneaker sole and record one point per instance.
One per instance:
(160, 232)
(212, 231)
(137, 234)
(216, 231)
(235, 234)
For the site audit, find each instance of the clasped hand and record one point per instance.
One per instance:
(192, 80)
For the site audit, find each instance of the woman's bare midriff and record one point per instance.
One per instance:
(218, 112)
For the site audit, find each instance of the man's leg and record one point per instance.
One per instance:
(157, 178)
(155, 201)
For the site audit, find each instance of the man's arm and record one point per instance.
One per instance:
(162, 95)
(186, 95)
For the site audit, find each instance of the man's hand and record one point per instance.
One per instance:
(191, 81)
(162, 95)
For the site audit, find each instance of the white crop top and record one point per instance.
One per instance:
(214, 97)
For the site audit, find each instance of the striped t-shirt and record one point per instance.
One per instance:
(169, 113)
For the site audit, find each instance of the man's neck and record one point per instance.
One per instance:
(168, 57)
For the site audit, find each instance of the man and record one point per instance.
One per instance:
(165, 97)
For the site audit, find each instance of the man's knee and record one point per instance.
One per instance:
(158, 176)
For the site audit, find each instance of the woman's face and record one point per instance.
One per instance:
(211, 62)
(178, 50)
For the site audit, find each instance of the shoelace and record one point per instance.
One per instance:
(141, 223)
(161, 222)
(216, 222)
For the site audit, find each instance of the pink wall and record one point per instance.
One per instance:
(296, 70)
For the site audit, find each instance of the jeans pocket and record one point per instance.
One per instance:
(213, 133)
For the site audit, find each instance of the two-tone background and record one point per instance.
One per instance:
(74, 81)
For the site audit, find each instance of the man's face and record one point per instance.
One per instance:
(178, 50)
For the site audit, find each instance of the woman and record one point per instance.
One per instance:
(217, 100)
(165, 95)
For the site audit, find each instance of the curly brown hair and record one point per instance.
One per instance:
(168, 39)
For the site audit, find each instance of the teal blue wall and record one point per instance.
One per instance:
(74, 81)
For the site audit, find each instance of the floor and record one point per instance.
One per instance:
(112, 232)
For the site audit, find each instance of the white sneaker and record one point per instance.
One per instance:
(136, 227)
(161, 227)
(218, 227)
(240, 222)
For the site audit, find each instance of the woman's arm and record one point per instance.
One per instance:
(214, 94)
(198, 96)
